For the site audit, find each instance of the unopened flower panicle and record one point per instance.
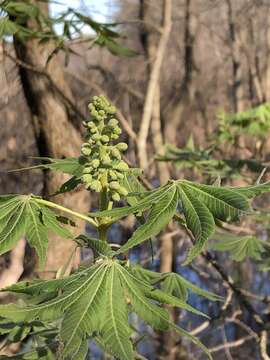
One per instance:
(103, 164)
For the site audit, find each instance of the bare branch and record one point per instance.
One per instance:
(231, 344)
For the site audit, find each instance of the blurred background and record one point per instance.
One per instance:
(191, 82)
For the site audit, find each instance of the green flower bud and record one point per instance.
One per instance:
(117, 130)
(94, 113)
(105, 138)
(96, 185)
(95, 163)
(87, 178)
(87, 170)
(116, 153)
(93, 130)
(116, 196)
(113, 123)
(122, 191)
(119, 175)
(86, 149)
(90, 141)
(106, 160)
(114, 185)
(111, 110)
(122, 166)
(121, 146)
(114, 136)
(96, 137)
(91, 125)
(113, 175)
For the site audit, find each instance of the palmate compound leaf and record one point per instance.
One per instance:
(239, 247)
(96, 302)
(21, 215)
(201, 206)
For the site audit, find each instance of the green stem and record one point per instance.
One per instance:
(103, 200)
(71, 212)
(103, 205)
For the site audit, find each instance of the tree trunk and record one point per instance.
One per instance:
(154, 76)
(187, 88)
(237, 78)
(56, 136)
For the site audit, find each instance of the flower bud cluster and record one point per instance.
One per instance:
(103, 165)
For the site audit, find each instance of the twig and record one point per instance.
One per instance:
(240, 296)
(242, 325)
(200, 328)
(225, 342)
(263, 345)
(231, 344)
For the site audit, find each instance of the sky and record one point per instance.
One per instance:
(100, 10)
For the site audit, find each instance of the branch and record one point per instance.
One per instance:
(237, 292)
(231, 344)
(263, 345)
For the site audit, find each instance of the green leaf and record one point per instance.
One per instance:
(240, 247)
(95, 301)
(12, 223)
(52, 221)
(151, 313)
(83, 317)
(148, 200)
(255, 190)
(21, 8)
(36, 231)
(160, 215)
(115, 47)
(21, 215)
(202, 205)
(132, 184)
(154, 315)
(115, 330)
(98, 246)
(70, 166)
(171, 285)
(69, 185)
(225, 204)
(162, 297)
(178, 286)
(199, 220)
